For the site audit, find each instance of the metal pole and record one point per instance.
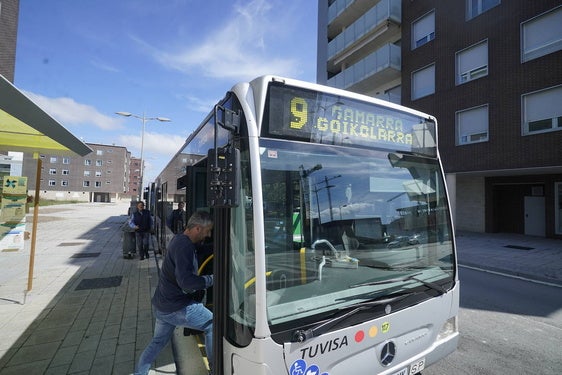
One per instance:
(328, 187)
(141, 156)
(34, 227)
(144, 119)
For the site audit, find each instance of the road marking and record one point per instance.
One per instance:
(511, 275)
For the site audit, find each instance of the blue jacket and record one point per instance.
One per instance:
(143, 219)
(178, 278)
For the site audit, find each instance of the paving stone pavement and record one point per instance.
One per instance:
(71, 322)
(529, 257)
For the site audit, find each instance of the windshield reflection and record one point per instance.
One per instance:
(336, 218)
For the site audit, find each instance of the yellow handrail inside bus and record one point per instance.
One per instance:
(303, 265)
(205, 262)
(253, 280)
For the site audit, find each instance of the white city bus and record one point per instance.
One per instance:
(333, 247)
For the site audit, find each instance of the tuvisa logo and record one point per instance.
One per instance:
(324, 347)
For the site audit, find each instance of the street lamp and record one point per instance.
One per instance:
(144, 119)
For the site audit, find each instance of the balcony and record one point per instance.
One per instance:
(377, 68)
(337, 8)
(380, 22)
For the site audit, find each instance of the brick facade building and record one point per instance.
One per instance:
(490, 71)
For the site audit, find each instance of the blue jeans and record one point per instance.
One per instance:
(195, 316)
(142, 243)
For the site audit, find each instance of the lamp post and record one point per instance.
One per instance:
(144, 119)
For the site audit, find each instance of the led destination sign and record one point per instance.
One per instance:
(324, 118)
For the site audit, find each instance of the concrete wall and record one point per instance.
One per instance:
(79, 196)
(470, 204)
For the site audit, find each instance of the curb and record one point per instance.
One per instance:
(545, 280)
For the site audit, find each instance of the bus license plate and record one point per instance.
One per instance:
(404, 371)
(414, 368)
(417, 366)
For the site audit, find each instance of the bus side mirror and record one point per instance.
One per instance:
(223, 177)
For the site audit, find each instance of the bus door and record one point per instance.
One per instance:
(196, 188)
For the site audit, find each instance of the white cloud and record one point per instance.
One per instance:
(102, 65)
(159, 148)
(239, 50)
(200, 105)
(69, 112)
(161, 144)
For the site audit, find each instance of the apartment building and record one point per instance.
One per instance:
(101, 176)
(135, 176)
(9, 14)
(490, 71)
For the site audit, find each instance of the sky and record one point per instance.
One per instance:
(82, 61)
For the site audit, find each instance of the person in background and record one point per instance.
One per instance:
(174, 299)
(141, 221)
(178, 219)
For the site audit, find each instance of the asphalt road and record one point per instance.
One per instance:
(507, 326)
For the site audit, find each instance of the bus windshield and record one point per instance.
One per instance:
(343, 225)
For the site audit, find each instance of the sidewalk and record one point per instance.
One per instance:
(529, 257)
(89, 310)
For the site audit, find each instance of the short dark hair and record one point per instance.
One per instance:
(202, 218)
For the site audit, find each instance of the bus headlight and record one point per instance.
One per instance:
(448, 329)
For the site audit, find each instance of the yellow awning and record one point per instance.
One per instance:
(25, 127)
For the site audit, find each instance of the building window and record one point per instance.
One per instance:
(65, 172)
(477, 7)
(472, 62)
(52, 183)
(53, 159)
(99, 152)
(472, 125)
(97, 184)
(86, 183)
(66, 160)
(542, 111)
(87, 162)
(86, 173)
(52, 171)
(98, 173)
(423, 82)
(423, 30)
(99, 163)
(541, 35)
(64, 183)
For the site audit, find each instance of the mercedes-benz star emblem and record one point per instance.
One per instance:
(388, 353)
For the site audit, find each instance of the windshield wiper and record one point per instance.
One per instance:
(429, 284)
(302, 335)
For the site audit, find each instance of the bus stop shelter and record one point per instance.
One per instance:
(25, 127)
